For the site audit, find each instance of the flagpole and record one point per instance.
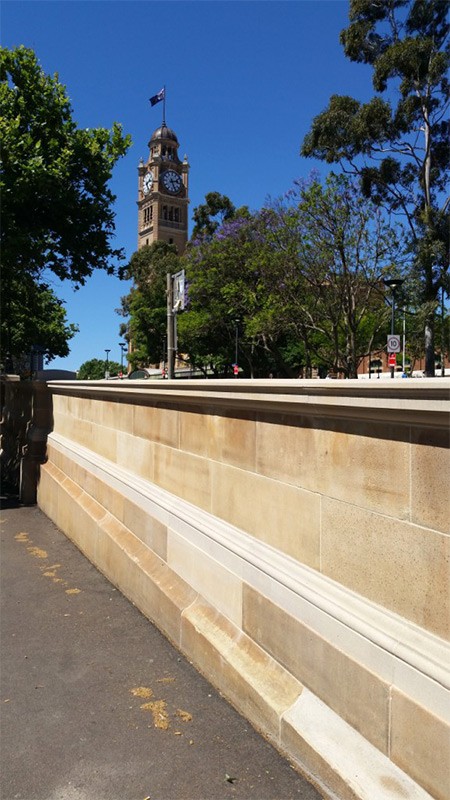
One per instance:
(164, 106)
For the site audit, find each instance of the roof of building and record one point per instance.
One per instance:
(163, 132)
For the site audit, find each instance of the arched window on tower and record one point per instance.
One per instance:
(148, 215)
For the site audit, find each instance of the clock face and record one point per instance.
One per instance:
(172, 181)
(148, 181)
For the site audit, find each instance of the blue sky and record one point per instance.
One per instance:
(243, 83)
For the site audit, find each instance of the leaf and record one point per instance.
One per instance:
(184, 715)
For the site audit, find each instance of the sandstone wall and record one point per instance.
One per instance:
(292, 538)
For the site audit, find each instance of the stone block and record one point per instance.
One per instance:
(157, 424)
(89, 409)
(136, 455)
(430, 478)
(399, 565)
(207, 576)
(62, 423)
(363, 463)
(251, 679)
(67, 465)
(103, 441)
(196, 432)
(284, 516)
(183, 474)
(333, 753)
(81, 432)
(143, 577)
(352, 691)
(149, 530)
(60, 403)
(106, 496)
(230, 438)
(420, 744)
(47, 497)
(117, 415)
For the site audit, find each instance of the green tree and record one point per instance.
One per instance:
(299, 282)
(399, 145)
(39, 319)
(145, 306)
(223, 273)
(327, 285)
(96, 368)
(210, 215)
(57, 208)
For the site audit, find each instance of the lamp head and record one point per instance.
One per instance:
(393, 283)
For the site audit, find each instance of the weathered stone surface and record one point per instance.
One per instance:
(284, 534)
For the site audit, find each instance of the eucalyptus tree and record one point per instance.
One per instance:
(398, 144)
(333, 249)
(210, 215)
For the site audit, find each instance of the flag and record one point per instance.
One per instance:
(158, 97)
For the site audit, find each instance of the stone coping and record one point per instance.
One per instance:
(424, 402)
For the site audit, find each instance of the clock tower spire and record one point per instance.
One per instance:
(163, 196)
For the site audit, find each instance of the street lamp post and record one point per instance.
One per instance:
(393, 284)
(170, 329)
(236, 349)
(107, 364)
(122, 346)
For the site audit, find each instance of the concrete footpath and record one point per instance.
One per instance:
(97, 705)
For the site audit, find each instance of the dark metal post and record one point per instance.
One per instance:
(442, 333)
(170, 330)
(122, 346)
(393, 284)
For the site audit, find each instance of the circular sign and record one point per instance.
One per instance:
(393, 343)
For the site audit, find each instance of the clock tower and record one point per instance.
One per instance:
(163, 192)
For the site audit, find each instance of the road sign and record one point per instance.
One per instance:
(179, 290)
(392, 360)
(236, 369)
(393, 343)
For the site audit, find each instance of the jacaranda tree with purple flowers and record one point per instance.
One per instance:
(299, 283)
(224, 294)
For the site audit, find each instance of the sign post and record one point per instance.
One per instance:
(170, 329)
